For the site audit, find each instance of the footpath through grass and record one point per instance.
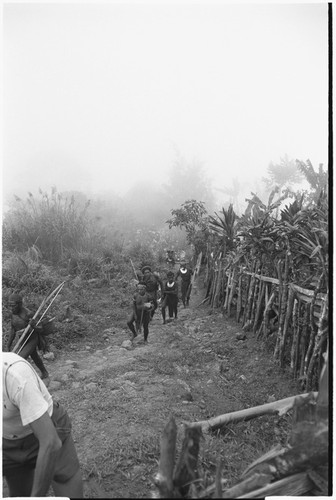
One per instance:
(194, 368)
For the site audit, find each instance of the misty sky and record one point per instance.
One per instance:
(103, 95)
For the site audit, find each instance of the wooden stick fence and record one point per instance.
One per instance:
(295, 316)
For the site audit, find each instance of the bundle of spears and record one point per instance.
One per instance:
(28, 331)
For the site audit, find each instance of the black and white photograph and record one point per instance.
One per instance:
(165, 248)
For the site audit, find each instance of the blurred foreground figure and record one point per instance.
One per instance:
(38, 449)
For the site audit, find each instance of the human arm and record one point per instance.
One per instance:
(11, 337)
(49, 445)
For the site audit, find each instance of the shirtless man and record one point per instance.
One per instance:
(21, 317)
(153, 282)
(142, 307)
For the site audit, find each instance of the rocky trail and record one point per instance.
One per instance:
(120, 396)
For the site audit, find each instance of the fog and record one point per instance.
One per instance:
(107, 97)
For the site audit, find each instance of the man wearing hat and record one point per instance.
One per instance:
(153, 282)
(185, 274)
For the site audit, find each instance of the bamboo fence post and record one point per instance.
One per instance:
(227, 289)
(256, 290)
(298, 340)
(239, 298)
(268, 302)
(219, 283)
(279, 271)
(259, 305)
(233, 289)
(164, 478)
(320, 337)
(295, 341)
(249, 278)
(316, 291)
(282, 311)
(304, 339)
(313, 328)
(186, 468)
(285, 323)
(248, 308)
(213, 284)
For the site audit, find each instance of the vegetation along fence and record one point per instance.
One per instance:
(295, 318)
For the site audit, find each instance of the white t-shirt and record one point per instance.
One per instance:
(25, 397)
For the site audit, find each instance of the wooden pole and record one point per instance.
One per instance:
(304, 339)
(277, 407)
(280, 278)
(259, 305)
(286, 316)
(319, 339)
(239, 298)
(186, 468)
(164, 478)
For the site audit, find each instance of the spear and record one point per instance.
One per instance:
(18, 347)
(135, 274)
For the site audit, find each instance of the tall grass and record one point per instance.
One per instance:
(52, 223)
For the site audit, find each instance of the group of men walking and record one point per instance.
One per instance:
(145, 299)
(38, 448)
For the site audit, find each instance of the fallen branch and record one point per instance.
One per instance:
(203, 301)
(277, 407)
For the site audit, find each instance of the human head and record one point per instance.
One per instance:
(141, 288)
(15, 302)
(170, 276)
(146, 270)
(183, 264)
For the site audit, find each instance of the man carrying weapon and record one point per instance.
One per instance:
(142, 307)
(33, 339)
(153, 282)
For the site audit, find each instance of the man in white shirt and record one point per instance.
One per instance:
(38, 449)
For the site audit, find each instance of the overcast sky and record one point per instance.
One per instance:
(101, 95)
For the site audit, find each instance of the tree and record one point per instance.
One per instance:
(318, 181)
(192, 216)
(224, 227)
(283, 174)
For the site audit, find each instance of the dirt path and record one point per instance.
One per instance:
(121, 399)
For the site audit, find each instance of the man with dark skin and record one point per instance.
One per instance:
(152, 282)
(185, 274)
(21, 317)
(170, 297)
(142, 307)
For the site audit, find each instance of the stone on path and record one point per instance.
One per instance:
(127, 344)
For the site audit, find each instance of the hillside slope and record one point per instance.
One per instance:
(194, 368)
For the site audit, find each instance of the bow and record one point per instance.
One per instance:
(20, 344)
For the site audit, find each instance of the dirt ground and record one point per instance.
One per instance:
(120, 399)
